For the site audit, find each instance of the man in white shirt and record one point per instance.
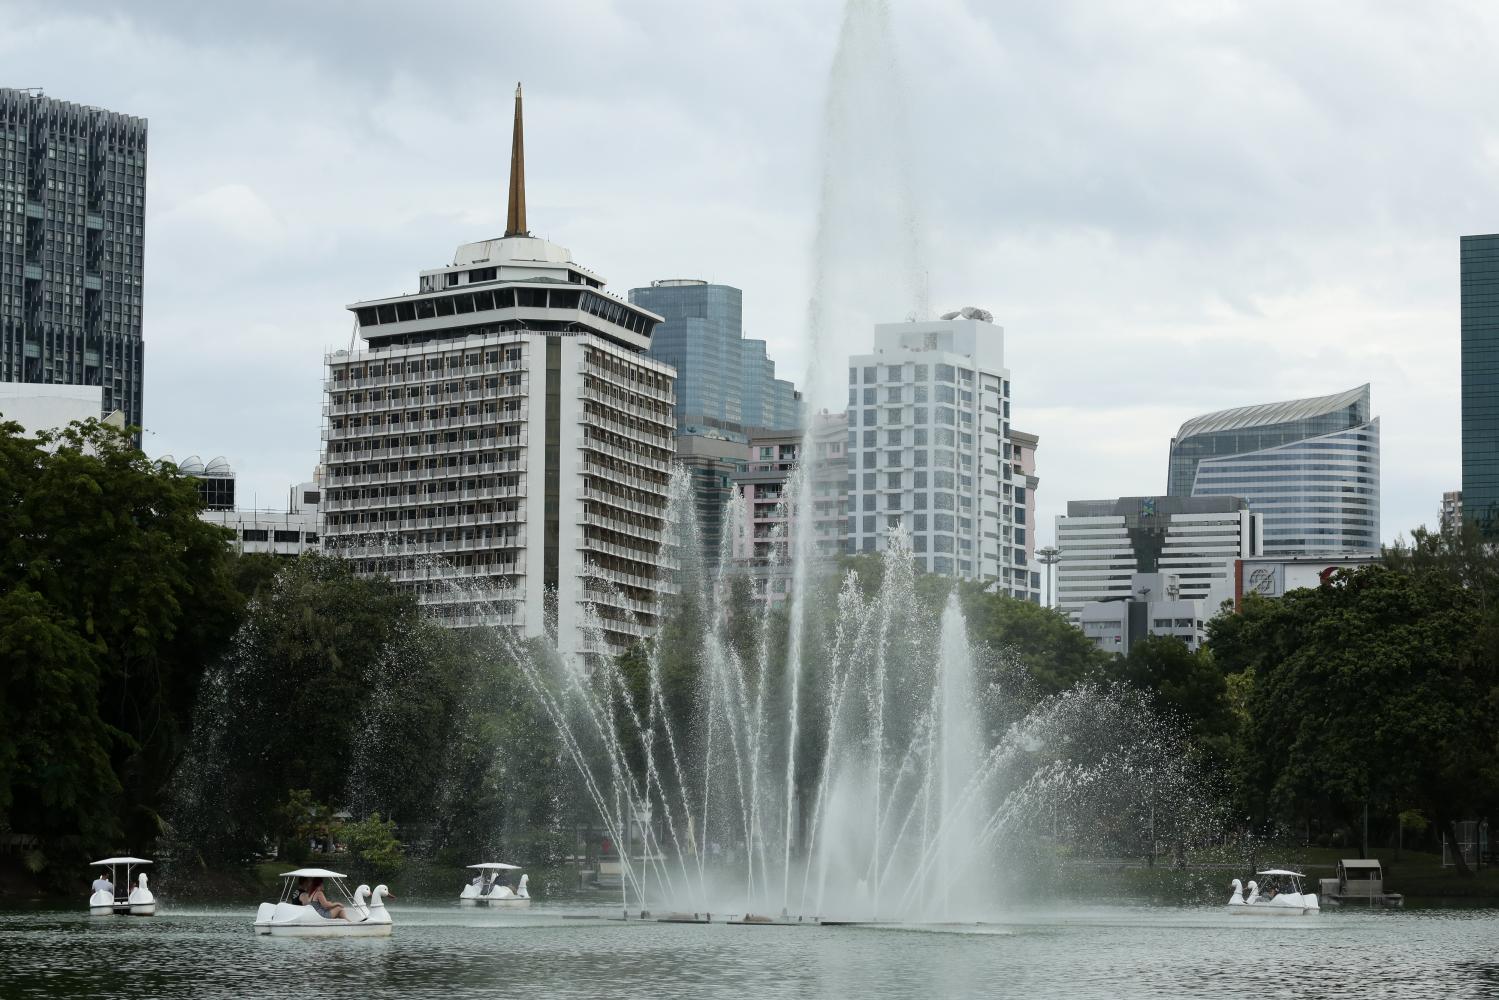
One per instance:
(102, 884)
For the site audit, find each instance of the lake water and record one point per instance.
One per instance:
(440, 950)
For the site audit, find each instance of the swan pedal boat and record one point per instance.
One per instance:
(1291, 902)
(491, 891)
(366, 915)
(138, 902)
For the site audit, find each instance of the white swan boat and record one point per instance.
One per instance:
(364, 913)
(110, 895)
(1282, 896)
(487, 887)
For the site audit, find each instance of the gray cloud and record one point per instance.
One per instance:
(1171, 207)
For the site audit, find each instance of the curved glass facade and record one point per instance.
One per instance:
(1311, 467)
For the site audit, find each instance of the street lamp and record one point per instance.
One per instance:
(1049, 556)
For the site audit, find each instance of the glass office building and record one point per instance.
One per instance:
(724, 381)
(727, 390)
(72, 241)
(1310, 466)
(1480, 380)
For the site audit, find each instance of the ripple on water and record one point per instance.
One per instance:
(436, 951)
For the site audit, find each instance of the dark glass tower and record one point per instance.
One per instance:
(725, 382)
(1480, 384)
(727, 390)
(72, 239)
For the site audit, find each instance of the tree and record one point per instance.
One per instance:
(372, 842)
(1183, 684)
(1054, 654)
(127, 594)
(342, 686)
(1368, 692)
(55, 776)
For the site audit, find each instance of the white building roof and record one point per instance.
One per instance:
(1264, 414)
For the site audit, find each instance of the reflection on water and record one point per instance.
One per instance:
(440, 950)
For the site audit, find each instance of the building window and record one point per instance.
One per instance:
(255, 535)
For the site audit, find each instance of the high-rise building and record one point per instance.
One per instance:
(726, 389)
(503, 443)
(930, 449)
(1451, 513)
(771, 512)
(1479, 256)
(724, 381)
(1310, 466)
(72, 241)
(1025, 482)
(1103, 543)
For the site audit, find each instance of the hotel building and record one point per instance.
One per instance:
(503, 443)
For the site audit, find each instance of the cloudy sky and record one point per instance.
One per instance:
(1170, 207)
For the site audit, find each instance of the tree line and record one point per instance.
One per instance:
(157, 687)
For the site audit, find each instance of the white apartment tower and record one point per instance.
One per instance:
(930, 450)
(503, 443)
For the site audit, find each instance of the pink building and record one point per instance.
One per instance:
(1021, 491)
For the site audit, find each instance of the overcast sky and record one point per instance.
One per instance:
(1170, 207)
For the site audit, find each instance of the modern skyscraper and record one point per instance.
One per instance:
(724, 381)
(1311, 466)
(507, 421)
(930, 449)
(1480, 380)
(726, 389)
(1103, 544)
(72, 240)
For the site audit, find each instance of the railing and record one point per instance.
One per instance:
(621, 527)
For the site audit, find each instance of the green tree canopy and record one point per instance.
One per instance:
(119, 594)
(1370, 691)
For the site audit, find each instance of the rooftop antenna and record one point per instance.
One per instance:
(515, 218)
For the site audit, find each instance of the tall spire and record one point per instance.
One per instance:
(515, 219)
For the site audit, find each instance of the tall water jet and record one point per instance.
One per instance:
(868, 260)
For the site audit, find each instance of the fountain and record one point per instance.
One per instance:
(841, 756)
(834, 762)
